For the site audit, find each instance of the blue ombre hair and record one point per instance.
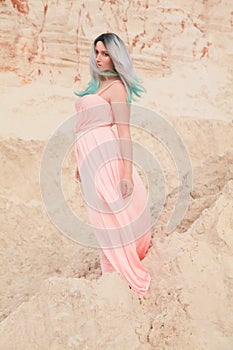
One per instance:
(123, 67)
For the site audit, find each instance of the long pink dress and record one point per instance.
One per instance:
(122, 226)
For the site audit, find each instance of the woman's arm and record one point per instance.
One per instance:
(121, 112)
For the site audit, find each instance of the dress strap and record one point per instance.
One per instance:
(110, 84)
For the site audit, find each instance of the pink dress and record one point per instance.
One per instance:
(122, 226)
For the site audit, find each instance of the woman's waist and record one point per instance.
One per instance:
(93, 129)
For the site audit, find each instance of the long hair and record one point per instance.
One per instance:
(122, 63)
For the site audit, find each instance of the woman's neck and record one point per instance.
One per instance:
(107, 78)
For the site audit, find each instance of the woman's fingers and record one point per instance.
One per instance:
(126, 188)
(122, 187)
(129, 189)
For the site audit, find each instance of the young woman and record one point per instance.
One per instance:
(115, 195)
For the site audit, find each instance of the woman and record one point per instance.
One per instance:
(115, 195)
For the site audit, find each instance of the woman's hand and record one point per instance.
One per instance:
(127, 186)
(77, 175)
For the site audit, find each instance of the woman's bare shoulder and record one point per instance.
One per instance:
(118, 91)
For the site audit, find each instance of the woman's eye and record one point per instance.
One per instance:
(102, 53)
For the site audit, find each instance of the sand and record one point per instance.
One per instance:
(53, 295)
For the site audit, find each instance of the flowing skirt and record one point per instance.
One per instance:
(122, 226)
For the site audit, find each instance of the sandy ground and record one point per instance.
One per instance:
(52, 293)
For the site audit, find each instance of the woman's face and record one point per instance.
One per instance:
(103, 59)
